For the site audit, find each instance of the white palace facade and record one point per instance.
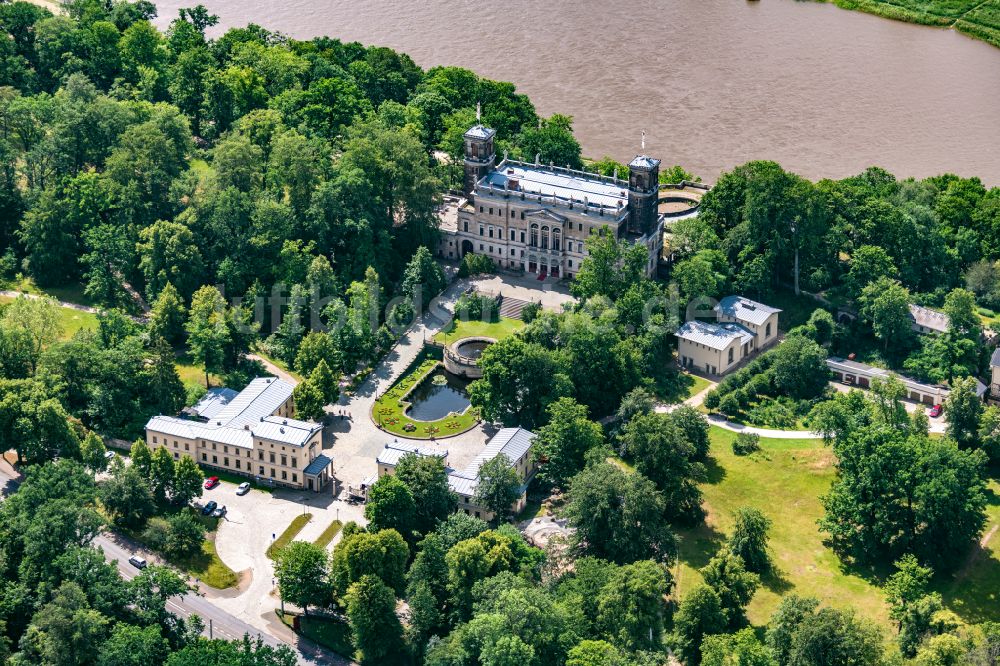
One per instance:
(536, 218)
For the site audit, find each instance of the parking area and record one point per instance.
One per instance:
(248, 528)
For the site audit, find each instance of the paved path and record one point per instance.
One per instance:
(357, 439)
(274, 369)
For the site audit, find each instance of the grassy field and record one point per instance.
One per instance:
(785, 481)
(324, 539)
(192, 374)
(977, 18)
(697, 385)
(457, 330)
(208, 567)
(326, 632)
(70, 320)
(389, 411)
(71, 293)
(289, 534)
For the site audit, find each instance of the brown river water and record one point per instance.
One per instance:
(713, 83)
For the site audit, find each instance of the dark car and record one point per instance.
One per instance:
(209, 508)
(211, 482)
(936, 411)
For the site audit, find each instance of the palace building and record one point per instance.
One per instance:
(535, 218)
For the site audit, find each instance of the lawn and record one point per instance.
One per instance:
(456, 330)
(70, 320)
(70, 293)
(192, 374)
(289, 534)
(329, 633)
(324, 539)
(389, 411)
(785, 481)
(208, 567)
(697, 385)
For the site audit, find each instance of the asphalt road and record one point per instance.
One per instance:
(220, 623)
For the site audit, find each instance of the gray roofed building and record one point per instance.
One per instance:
(926, 320)
(514, 443)
(261, 397)
(995, 359)
(258, 417)
(393, 451)
(716, 336)
(644, 162)
(480, 132)
(861, 374)
(287, 431)
(564, 185)
(745, 310)
(214, 400)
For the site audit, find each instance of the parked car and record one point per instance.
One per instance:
(936, 411)
(211, 482)
(209, 508)
(108, 455)
(137, 562)
(220, 512)
(243, 488)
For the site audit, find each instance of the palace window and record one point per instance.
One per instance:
(555, 239)
(534, 235)
(522, 214)
(522, 236)
(491, 232)
(465, 226)
(481, 230)
(545, 238)
(512, 234)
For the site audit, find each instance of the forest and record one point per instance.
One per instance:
(254, 193)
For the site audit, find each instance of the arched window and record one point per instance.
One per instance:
(545, 238)
(555, 239)
(534, 235)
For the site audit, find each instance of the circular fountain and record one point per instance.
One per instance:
(462, 356)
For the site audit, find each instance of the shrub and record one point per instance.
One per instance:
(530, 312)
(186, 535)
(157, 533)
(729, 405)
(476, 307)
(746, 443)
(475, 264)
(712, 399)
(772, 413)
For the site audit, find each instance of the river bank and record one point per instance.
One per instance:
(978, 19)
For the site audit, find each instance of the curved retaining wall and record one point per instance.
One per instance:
(461, 365)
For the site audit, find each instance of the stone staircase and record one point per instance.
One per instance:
(511, 307)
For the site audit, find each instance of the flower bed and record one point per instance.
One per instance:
(389, 411)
